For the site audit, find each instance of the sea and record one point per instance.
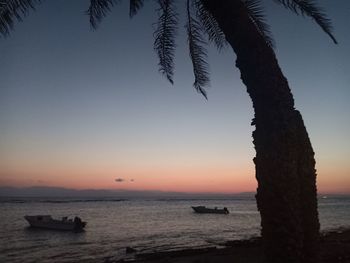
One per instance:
(145, 224)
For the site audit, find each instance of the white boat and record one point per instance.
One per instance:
(206, 210)
(46, 221)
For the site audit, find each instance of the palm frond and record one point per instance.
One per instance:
(98, 9)
(198, 53)
(135, 6)
(210, 25)
(256, 15)
(310, 8)
(14, 9)
(164, 43)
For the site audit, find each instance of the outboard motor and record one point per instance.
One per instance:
(78, 223)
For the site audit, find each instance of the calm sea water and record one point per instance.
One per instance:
(146, 225)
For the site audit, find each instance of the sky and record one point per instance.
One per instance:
(89, 109)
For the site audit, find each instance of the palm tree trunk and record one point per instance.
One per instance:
(285, 164)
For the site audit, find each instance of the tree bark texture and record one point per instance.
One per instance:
(285, 165)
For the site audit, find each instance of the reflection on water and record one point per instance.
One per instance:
(145, 225)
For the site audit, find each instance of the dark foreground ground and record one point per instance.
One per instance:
(335, 248)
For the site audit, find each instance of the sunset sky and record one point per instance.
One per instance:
(82, 108)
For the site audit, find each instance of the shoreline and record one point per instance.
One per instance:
(334, 245)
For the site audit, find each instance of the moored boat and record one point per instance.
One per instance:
(46, 221)
(206, 210)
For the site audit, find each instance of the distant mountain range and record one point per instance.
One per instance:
(46, 191)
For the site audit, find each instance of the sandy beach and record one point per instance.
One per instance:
(335, 247)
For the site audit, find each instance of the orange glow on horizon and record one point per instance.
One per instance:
(168, 179)
(222, 180)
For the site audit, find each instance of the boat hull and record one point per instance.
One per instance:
(205, 210)
(46, 222)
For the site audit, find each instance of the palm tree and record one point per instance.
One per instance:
(285, 164)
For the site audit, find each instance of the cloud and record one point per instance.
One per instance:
(119, 180)
(42, 181)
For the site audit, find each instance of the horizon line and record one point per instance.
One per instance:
(150, 191)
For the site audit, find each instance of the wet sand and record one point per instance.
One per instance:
(335, 248)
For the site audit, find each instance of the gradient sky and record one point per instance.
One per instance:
(80, 109)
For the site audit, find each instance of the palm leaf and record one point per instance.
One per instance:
(210, 26)
(135, 6)
(14, 9)
(309, 8)
(198, 53)
(256, 15)
(98, 9)
(164, 43)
